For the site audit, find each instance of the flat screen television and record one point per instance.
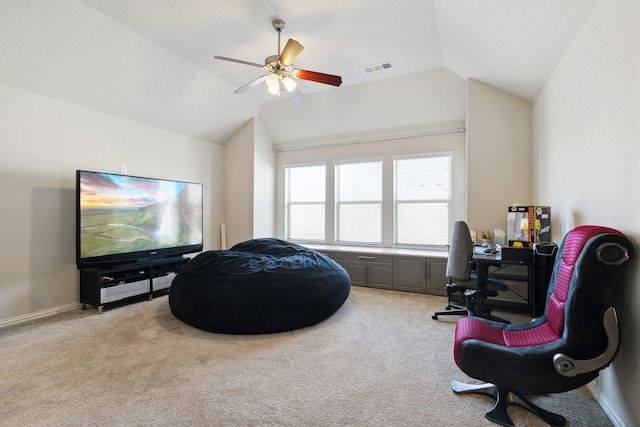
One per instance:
(123, 219)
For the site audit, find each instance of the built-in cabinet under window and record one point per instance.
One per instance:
(421, 272)
(374, 271)
(401, 271)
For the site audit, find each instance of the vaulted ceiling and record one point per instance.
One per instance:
(513, 45)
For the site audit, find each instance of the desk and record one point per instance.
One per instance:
(508, 271)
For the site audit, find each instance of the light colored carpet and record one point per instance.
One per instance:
(379, 361)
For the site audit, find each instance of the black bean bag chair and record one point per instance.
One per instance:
(259, 286)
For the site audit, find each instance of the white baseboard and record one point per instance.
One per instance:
(616, 418)
(609, 409)
(39, 314)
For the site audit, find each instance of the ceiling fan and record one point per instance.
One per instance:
(281, 71)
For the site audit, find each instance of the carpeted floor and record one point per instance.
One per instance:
(379, 361)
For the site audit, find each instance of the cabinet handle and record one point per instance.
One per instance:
(366, 257)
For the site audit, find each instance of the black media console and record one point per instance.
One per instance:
(101, 286)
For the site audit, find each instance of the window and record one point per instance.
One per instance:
(403, 200)
(305, 202)
(358, 202)
(422, 196)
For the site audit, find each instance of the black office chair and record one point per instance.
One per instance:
(465, 295)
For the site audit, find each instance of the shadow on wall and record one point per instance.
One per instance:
(53, 278)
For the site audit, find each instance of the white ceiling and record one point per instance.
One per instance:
(152, 61)
(513, 45)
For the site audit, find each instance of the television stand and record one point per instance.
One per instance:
(100, 286)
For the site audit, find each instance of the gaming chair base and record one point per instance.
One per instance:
(504, 398)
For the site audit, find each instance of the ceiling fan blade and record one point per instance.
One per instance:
(253, 64)
(290, 52)
(314, 76)
(252, 83)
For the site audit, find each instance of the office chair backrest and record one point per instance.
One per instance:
(460, 252)
(583, 276)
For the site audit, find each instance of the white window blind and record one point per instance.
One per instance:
(358, 202)
(422, 197)
(305, 199)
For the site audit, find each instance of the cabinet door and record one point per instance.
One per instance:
(436, 276)
(380, 275)
(409, 274)
(357, 271)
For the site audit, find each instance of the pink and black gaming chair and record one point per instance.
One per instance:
(561, 350)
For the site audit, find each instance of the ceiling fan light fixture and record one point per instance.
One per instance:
(271, 80)
(273, 84)
(289, 83)
(274, 89)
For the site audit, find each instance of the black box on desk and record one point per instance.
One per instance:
(511, 253)
(529, 225)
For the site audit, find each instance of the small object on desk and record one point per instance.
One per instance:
(492, 249)
(486, 250)
(499, 237)
(486, 235)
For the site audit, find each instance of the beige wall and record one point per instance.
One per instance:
(586, 163)
(249, 185)
(432, 97)
(498, 155)
(238, 185)
(43, 141)
(264, 184)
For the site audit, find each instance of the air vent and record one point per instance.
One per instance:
(378, 67)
